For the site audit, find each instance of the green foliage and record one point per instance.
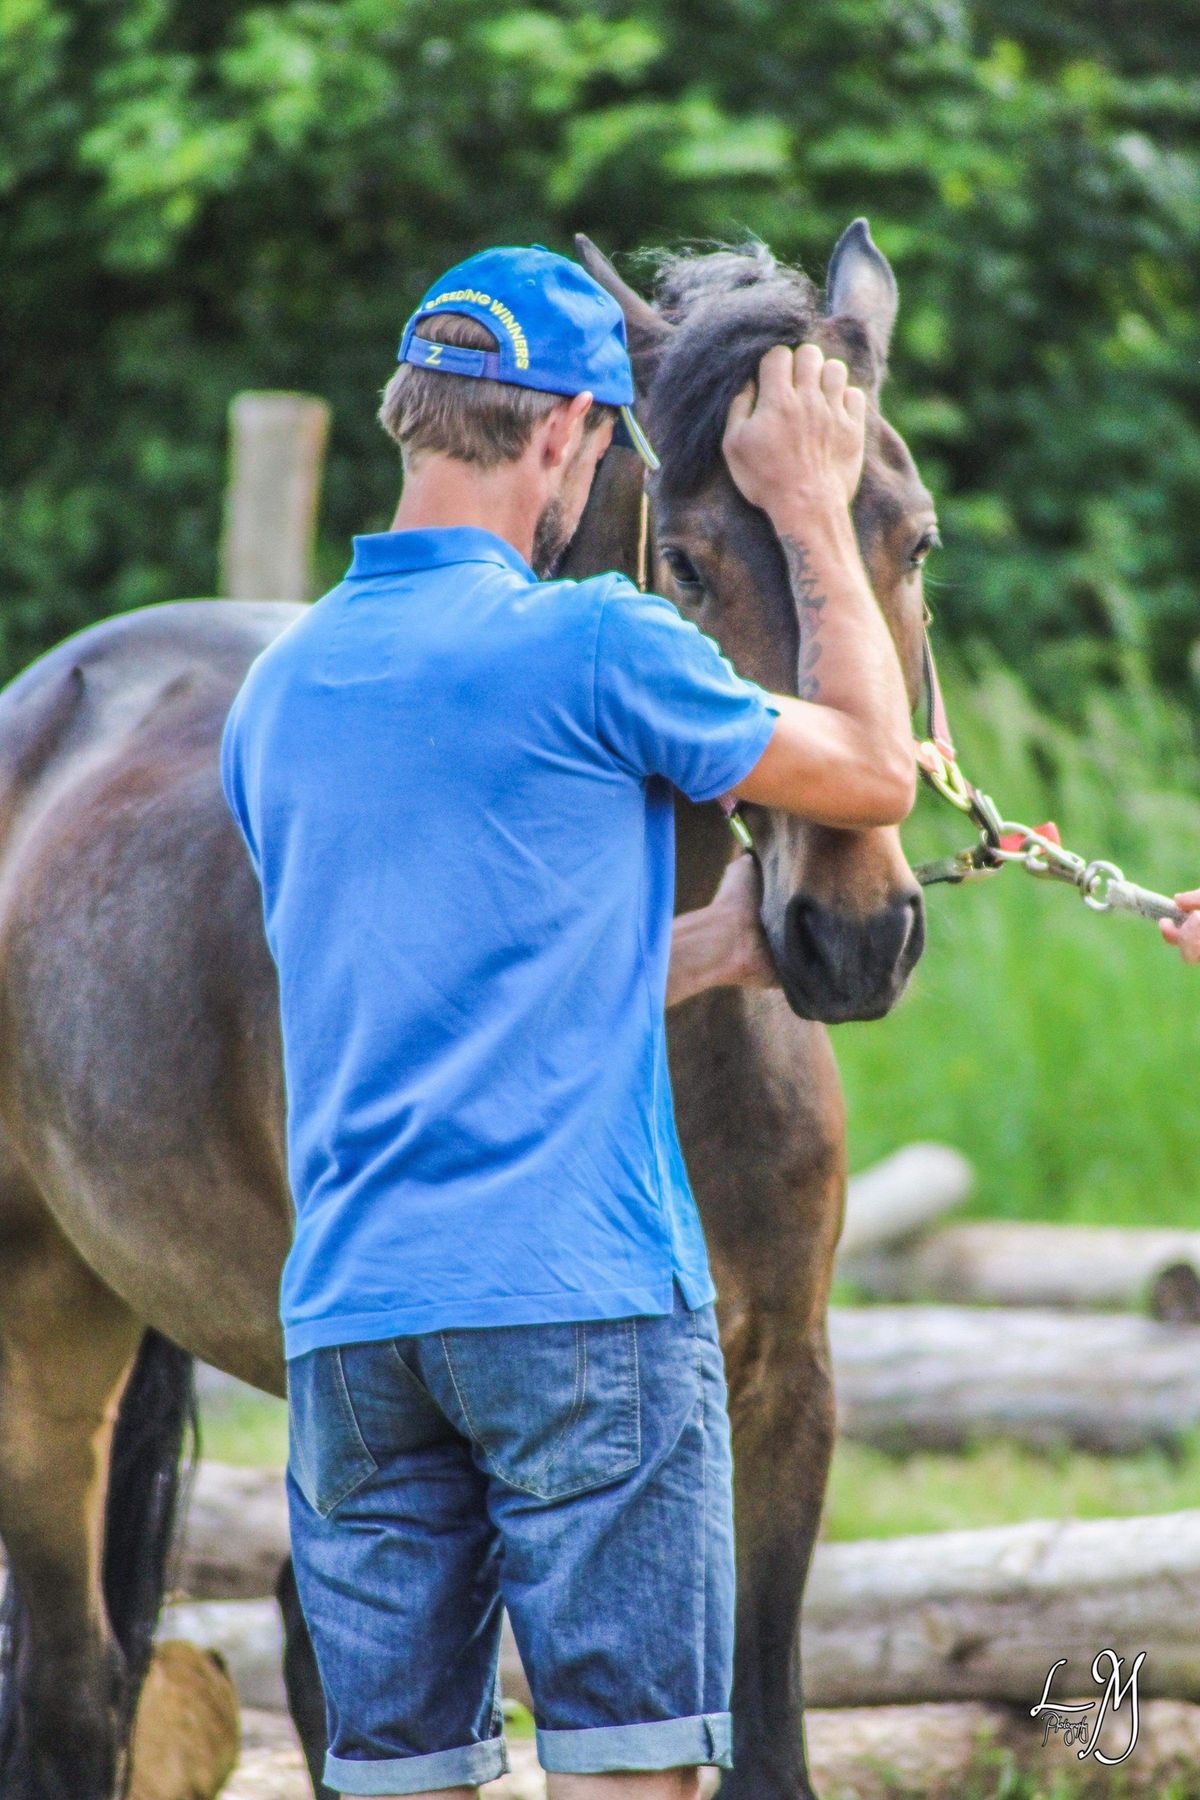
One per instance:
(198, 198)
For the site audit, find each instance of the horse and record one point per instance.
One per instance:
(144, 1204)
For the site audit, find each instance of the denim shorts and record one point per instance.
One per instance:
(577, 1475)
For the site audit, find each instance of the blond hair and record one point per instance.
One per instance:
(471, 418)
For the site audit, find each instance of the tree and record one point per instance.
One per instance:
(206, 196)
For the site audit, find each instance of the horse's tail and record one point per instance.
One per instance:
(158, 1413)
(158, 1409)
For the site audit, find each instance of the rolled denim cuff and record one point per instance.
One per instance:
(468, 1766)
(660, 1744)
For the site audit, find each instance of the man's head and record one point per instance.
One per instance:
(515, 366)
(557, 440)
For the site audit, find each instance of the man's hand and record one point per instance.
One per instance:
(797, 443)
(795, 447)
(1185, 937)
(722, 945)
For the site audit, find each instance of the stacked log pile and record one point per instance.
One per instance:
(924, 1655)
(958, 1615)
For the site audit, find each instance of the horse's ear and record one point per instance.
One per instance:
(646, 330)
(861, 289)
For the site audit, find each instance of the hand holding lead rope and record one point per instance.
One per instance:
(1040, 852)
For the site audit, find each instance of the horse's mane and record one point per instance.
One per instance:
(728, 306)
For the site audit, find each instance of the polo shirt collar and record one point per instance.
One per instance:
(405, 552)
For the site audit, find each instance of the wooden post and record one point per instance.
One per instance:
(277, 451)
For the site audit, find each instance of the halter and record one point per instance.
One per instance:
(734, 819)
(1039, 851)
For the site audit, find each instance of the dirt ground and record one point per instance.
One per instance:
(271, 1767)
(872, 1753)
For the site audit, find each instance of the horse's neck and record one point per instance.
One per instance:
(607, 538)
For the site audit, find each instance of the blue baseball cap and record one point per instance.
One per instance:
(558, 330)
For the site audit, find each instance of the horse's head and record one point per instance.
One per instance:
(841, 910)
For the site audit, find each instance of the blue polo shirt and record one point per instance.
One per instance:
(455, 785)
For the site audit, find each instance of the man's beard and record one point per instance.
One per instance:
(550, 539)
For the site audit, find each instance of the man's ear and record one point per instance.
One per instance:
(646, 331)
(561, 431)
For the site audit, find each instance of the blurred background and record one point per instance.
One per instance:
(203, 196)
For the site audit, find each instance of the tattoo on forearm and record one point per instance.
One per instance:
(810, 602)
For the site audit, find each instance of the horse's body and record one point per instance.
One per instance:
(142, 1175)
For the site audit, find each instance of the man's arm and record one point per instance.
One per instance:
(722, 945)
(842, 753)
(1185, 937)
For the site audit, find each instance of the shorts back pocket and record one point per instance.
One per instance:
(554, 1408)
(327, 1457)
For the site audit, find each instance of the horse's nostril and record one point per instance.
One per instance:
(818, 936)
(913, 945)
(838, 965)
(801, 937)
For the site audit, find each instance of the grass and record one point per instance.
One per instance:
(1055, 1047)
(874, 1495)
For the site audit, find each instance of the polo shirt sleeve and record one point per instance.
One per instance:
(231, 782)
(668, 703)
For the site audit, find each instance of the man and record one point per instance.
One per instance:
(455, 782)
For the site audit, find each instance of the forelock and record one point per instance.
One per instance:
(729, 307)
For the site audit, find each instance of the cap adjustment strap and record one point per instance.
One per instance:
(452, 359)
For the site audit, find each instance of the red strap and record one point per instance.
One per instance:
(1013, 840)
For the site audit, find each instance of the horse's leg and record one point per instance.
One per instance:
(767, 1157)
(781, 1405)
(66, 1348)
(306, 1700)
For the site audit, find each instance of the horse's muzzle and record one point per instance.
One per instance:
(835, 967)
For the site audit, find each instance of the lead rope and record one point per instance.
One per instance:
(1039, 851)
(733, 817)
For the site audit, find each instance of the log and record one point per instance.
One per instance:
(906, 1377)
(982, 1615)
(277, 451)
(248, 1635)
(234, 1534)
(996, 1263)
(960, 1615)
(903, 1195)
(941, 1377)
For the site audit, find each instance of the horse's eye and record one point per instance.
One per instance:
(681, 566)
(929, 540)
